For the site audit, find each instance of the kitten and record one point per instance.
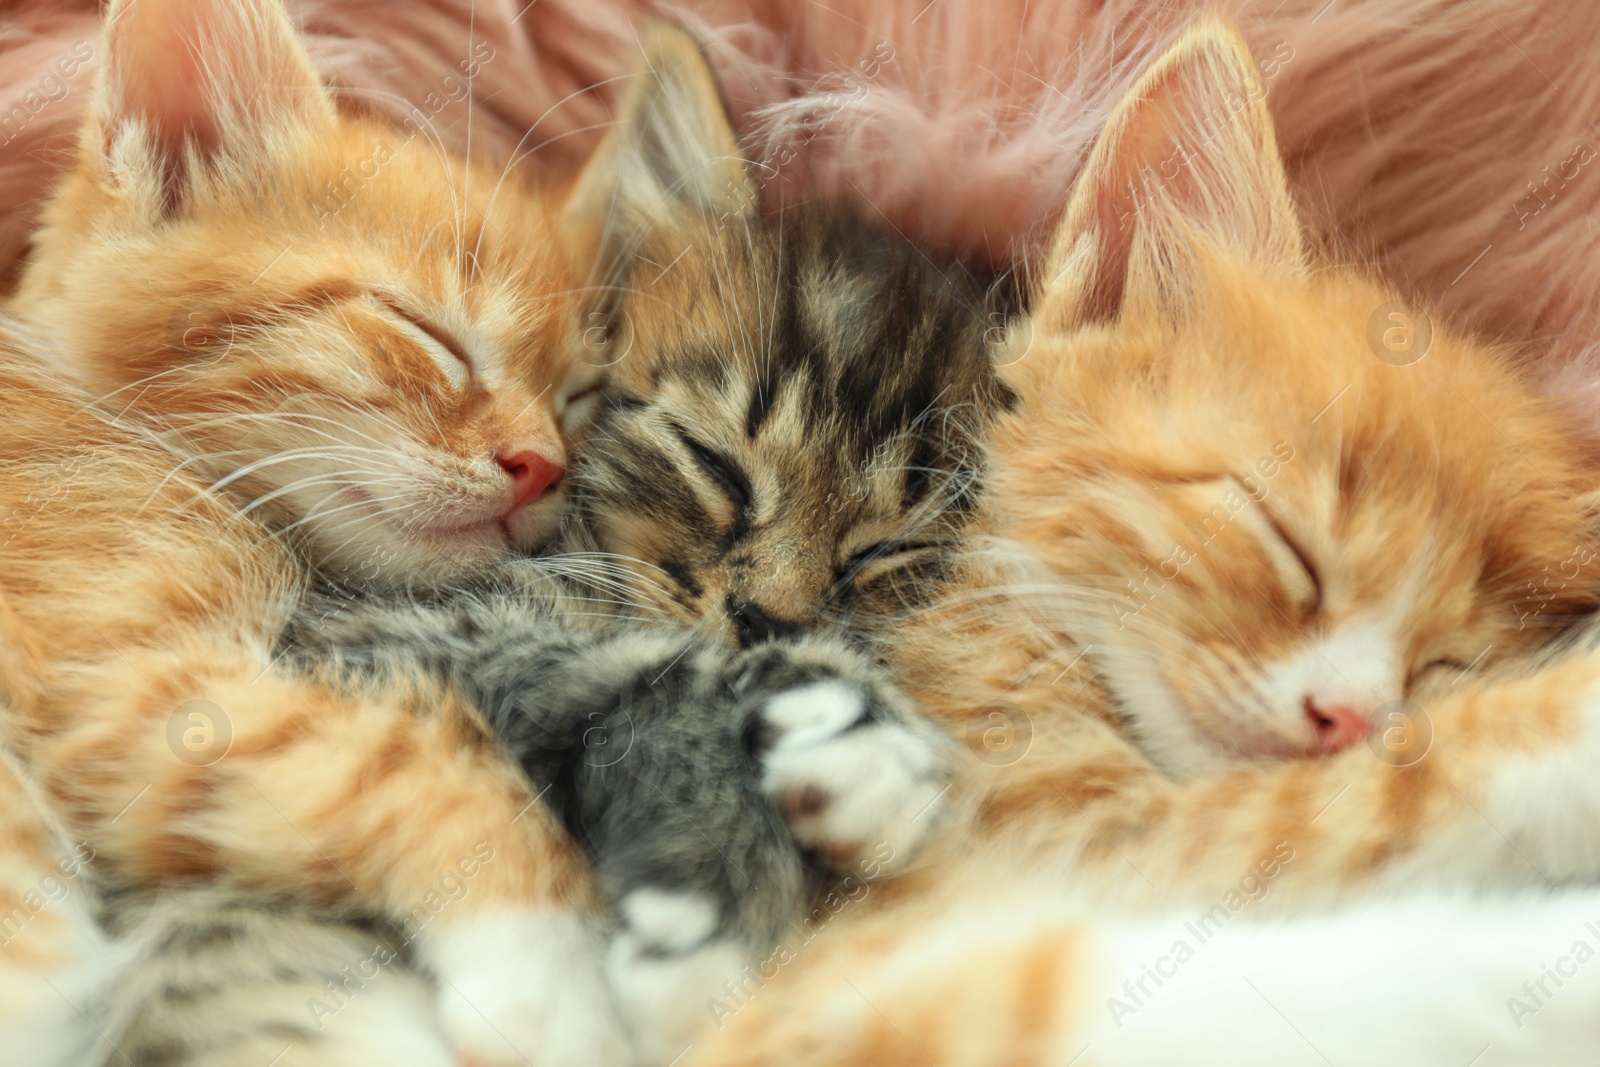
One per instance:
(281, 364)
(789, 437)
(362, 339)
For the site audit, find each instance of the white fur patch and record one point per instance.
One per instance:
(810, 714)
(1355, 665)
(1549, 805)
(668, 922)
(668, 1000)
(391, 1024)
(1462, 982)
(877, 784)
(525, 986)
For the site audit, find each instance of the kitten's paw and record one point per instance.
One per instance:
(669, 968)
(525, 988)
(858, 777)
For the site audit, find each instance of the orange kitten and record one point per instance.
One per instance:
(362, 338)
(1265, 530)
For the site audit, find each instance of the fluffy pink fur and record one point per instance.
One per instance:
(1415, 129)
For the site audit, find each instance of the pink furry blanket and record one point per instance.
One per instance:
(1453, 141)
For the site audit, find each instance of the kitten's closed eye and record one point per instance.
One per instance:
(1444, 668)
(876, 559)
(1298, 572)
(579, 400)
(448, 353)
(722, 469)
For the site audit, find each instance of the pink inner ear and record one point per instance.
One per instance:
(157, 67)
(1151, 149)
(1114, 206)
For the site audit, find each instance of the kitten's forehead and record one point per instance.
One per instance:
(829, 336)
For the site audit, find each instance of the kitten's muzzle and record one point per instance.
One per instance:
(532, 476)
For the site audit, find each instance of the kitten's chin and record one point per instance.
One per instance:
(454, 552)
(535, 526)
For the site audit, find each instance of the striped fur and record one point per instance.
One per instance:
(1108, 769)
(52, 954)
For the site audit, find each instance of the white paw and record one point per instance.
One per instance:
(847, 786)
(668, 972)
(525, 988)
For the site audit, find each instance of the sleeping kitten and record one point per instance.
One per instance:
(364, 341)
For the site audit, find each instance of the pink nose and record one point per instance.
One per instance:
(531, 475)
(1336, 726)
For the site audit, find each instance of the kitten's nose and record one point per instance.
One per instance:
(531, 476)
(1336, 727)
(754, 625)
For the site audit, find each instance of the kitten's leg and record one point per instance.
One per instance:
(1491, 784)
(632, 737)
(51, 951)
(208, 762)
(735, 760)
(859, 776)
(216, 978)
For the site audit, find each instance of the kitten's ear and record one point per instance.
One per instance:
(672, 150)
(189, 82)
(1187, 160)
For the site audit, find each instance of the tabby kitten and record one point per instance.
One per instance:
(380, 394)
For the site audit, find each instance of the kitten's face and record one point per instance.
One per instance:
(790, 435)
(1273, 537)
(1266, 534)
(360, 339)
(786, 438)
